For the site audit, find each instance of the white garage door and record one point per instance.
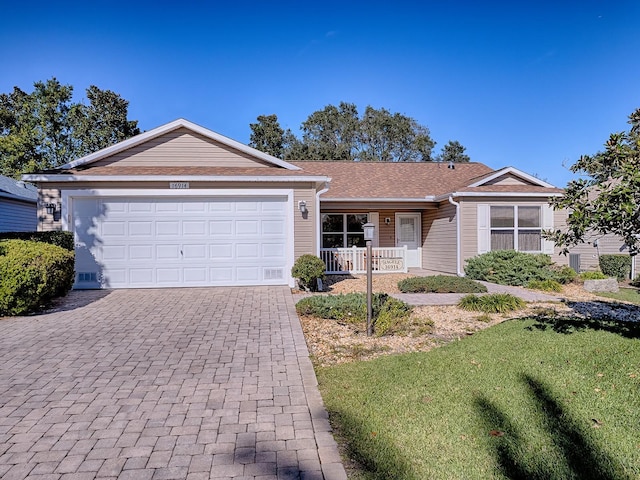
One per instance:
(168, 242)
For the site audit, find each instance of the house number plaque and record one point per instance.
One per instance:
(391, 264)
(179, 185)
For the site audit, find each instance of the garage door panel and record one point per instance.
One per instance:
(140, 229)
(220, 228)
(114, 252)
(221, 251)
(168, 252)
(168, 228)
(194, 227)
(274, 251)
(148, 242)
(141, 252)
(246, 227)
(247, 250)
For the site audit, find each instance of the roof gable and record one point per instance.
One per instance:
(180, 143)
(510, 176)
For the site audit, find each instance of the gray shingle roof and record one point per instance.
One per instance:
(18, 190)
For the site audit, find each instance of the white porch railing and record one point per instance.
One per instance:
(353, 260)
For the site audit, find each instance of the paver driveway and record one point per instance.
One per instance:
(161, 384)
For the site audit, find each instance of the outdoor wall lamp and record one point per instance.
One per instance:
(51, 208)
(302, 206)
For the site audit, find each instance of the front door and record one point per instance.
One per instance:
(408, 234)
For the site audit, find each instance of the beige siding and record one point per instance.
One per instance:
(607, 245)
(469, 220)
(182, 147)
(439, 248)
(387, 233)
(46, 222)
(508, 179)
(305, 237)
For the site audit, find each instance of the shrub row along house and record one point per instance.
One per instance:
(181, 205)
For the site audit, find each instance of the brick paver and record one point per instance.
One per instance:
(192, 383)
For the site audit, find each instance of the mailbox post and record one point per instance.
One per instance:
(368, 236)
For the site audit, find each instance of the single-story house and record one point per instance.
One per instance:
(181, 205)
(18, 212)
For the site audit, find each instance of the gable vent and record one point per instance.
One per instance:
(273, 274)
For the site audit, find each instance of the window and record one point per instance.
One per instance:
(343, 230)
(516, 228)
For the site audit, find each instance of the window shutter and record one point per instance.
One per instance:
(483, 229)
(374, 218)
(547, 224)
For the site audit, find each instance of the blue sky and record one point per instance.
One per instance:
(531, 84)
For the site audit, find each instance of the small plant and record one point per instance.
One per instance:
(484, 318)
(545, 285)
(618, 266)
(493, 303)
(308, 269)
(636, 282)
(388, 312)
(592, 275)
(440, 284)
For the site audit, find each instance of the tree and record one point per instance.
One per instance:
(101, 123)
(608, 200)
(339, 133)
(331, 133)
(453, 152)
(267, 135)
(44, 129)
(387, 137)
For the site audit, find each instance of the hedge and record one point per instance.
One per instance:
(32, 274)
(616, 265)
(508, 267)
(59, 238)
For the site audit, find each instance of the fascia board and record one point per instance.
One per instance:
(11, 196)
(515, 171)
(161, 130)
(161, 178)
(497, 194)
(374, 199)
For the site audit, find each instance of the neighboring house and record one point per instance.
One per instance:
(181, 205)
(18, 211)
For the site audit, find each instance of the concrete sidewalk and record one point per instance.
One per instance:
(454, 298)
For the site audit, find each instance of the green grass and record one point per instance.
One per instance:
(625, 294)
(492, 303)
(535, 399)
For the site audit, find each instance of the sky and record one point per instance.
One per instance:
(528, 84)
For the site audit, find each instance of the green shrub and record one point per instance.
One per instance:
(58, 237)
(508, 267)
(618, 266)
(31, 274)
(636, 281)
(492, 303)
(545, 285)
(388, 314)
(563, 274)
(308, 269)
(592, 275)
(387, 311)
(440, 284)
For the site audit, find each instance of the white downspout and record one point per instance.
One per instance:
(458, 236)
(319, 219)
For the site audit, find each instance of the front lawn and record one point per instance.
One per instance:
(625, 294)
(534, 398)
